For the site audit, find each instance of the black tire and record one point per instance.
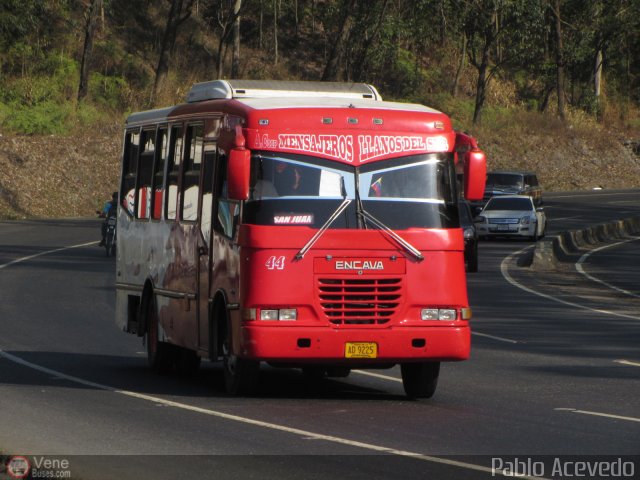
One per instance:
(160, 355)
(109, 245)
(420, 380)
(240, 374)
(338, 372)
(314, 373)
(187, 361)
(110, 242)
(472, 264)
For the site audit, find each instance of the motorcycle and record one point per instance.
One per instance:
(111, 234)
(109, 229)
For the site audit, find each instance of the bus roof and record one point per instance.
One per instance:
(226, 89)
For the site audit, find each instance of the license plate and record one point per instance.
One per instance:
(503, 228)
(361, 350)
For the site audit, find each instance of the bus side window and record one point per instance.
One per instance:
(191, 173)
(145, 166)
(129, 170)
(174, 160)
(157, 187)
(207, 193)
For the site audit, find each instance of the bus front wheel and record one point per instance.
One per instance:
(420, 379)
(240, 374)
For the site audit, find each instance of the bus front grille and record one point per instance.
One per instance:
(359, 301)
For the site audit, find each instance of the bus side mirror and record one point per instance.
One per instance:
(238, 173)
(475, 174)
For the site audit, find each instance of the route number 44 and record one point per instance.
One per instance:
(275, 263)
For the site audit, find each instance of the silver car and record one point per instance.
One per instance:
(511, 216)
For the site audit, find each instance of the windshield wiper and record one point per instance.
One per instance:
(303, 251)
(407, 246)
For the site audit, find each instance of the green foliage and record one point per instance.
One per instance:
(111, 92)
(46, 117)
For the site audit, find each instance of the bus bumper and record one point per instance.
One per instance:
(394, 345)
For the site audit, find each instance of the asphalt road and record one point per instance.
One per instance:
(555, 370)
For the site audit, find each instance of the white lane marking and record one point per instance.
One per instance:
(598, 414)
(36, 255)
(249, 421)
(504, 269)
(500, 339)
(584, 257)
(627, 362)
(377, 375)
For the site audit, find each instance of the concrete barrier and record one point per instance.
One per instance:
(554, 251)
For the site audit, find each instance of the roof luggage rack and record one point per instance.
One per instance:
(219, 89)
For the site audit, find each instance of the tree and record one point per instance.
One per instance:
(494, 27)
(179, 12)
(235, 63)
(225, 15)
(560, 74)
(89, 33)
(333, 65)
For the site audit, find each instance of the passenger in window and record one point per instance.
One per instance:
(287, 179)
(110, 208)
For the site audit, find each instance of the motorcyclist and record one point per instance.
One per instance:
(104, 213)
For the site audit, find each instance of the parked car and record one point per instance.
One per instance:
(470, 236)
(503, 182)
(511, 216)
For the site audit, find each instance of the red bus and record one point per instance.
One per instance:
(303, 224)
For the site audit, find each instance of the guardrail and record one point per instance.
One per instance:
(554, 251)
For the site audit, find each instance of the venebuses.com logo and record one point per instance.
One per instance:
(19, 466)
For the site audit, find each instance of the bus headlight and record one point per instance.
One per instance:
(288, 314)
(284, 314)
(438, 314)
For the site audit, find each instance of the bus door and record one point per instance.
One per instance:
(205, 252)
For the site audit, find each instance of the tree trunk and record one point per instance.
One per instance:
(332, 69)
(275, 32)
(235, 63)
(597, 80)
(178, 13)
(261, 18)
(463, 61)
(483, 80)
(559, 60)
(92, 21)
(359, 64)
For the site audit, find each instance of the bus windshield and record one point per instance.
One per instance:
(417, 191)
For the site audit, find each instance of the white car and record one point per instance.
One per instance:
(511, 216)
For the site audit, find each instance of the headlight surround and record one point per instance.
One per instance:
(282, 314)
(439, 314)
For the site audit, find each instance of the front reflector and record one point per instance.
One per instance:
(249, 314)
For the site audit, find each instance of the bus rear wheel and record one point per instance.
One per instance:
(160, 355)
(420, 379)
